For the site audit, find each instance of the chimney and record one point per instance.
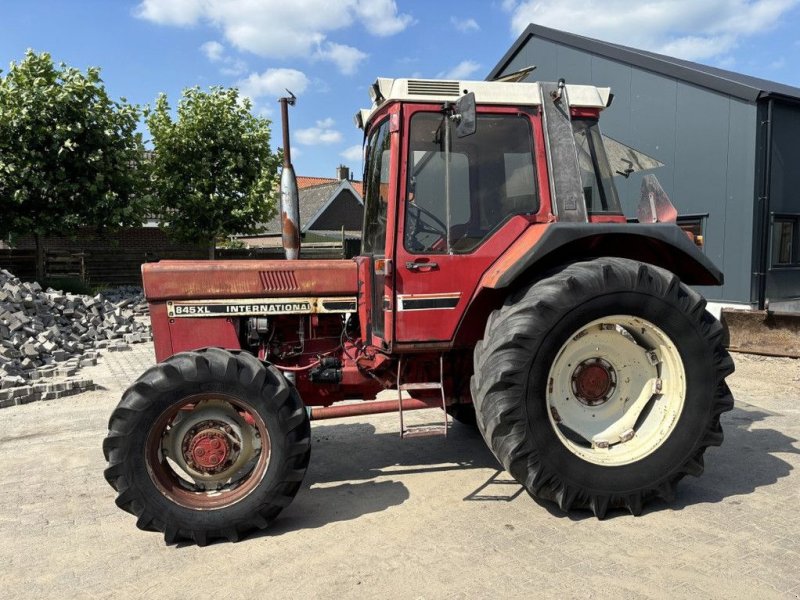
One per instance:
(342, 173)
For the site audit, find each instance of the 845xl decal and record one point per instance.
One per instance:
(258, 307)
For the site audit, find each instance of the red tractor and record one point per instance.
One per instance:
(498, 279)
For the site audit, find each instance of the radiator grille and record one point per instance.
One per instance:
(278, 281)
(418, 87)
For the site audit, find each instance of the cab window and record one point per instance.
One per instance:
(489, 176)
(597, 179)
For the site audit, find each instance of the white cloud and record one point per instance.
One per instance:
(170, 12)
(273, 82)
(346, 58)
(462, 70)
(465, 25)
(683, 28)
(353, 154)
(281, 29)
(214, 51)
(323, 133)
(380, 17)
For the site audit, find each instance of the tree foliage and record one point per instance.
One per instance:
(213, 173)
(69, 155)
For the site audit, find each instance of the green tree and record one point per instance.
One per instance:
(69, 155)
(213, 173)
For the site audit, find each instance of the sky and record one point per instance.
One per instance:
(328, 52)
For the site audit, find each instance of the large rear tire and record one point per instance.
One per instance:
(602, 385)
(206, 445)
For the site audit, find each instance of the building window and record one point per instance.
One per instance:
(785, 241)
(694, 226)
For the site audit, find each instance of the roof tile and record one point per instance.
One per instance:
(307, 182)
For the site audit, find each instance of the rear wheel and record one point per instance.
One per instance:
(207, 445)
(602, 385)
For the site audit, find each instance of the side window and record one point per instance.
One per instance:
(785, 241)
(376, 195)
(520, 182)
(599, 190)
(490, 176)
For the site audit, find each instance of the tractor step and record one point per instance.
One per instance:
(432, 385)
(422, 430)
(416, 431)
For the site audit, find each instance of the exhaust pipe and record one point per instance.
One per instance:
(290, 199)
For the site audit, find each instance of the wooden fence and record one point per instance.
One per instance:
(21, 263)
(122, 266)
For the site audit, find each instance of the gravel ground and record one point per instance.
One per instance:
(424, 518)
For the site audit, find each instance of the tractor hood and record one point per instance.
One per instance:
(208, 280)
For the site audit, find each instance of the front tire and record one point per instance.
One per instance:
(208, 444)
(601, 386)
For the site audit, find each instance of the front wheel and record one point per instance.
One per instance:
(602, 385)
(206, 445)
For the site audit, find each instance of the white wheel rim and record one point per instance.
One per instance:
(615, 390)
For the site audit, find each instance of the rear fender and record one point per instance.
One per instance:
(663, 244)
(543, 248)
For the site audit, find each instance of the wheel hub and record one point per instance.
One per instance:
(594, 381)
(617, 409)
(209, 447)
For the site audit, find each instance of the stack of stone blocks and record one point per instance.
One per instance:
(46, 336)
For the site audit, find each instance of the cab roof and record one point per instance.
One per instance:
(504, 93)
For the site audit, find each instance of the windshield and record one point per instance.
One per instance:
(597, 181)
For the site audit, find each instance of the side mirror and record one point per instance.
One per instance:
(466, 122)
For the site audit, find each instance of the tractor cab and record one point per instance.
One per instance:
(455, 172)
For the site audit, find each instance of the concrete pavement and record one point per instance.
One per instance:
(424, 518)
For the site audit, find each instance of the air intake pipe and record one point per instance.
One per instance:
(290, 199)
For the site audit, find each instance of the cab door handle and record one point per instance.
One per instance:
(419, 266)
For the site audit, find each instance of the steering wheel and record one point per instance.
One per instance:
(421, 221)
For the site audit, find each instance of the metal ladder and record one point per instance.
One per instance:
(422, 430)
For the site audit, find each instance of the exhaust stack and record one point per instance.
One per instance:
(290, 199)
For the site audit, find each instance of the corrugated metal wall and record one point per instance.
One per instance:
(707, 141)
(783, 281)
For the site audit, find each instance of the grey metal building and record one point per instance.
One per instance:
(730, 144)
